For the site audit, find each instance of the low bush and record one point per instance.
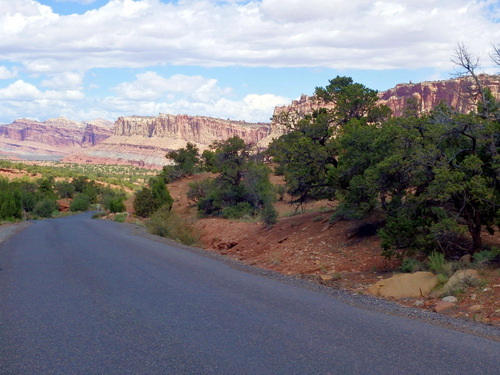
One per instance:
(436, 262)
(167, 223)
(269, 215)
(116, 204)
(484, 257)
(238, 211)
(80, 203)
(120, 218)
(45, 208)
(411, 265)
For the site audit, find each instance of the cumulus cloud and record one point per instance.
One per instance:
(20, 90)
(83, 2)
(151, 85)
(151, 93)
(53, 53)
(6, 73)
(65, 80)
(337, 34)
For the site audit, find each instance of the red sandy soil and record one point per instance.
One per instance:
(306, 245)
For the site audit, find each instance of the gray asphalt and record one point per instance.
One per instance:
(82, 296)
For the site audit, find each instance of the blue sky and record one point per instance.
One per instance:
(87, 59)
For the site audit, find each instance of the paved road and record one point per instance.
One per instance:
(82, 296)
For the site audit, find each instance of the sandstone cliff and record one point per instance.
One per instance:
(52, 139)
(144, 141)
(194, 129)
(454, 92)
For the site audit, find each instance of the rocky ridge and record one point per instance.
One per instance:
(144, 140)
(52, 139)
(453, 92)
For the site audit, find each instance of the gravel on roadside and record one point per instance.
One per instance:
(359, 300)
(7, 230)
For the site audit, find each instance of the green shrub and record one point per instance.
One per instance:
(167, 223)
(144, 202)
(120, 218)
(116, 204)
(98, 215)
(10, 205)
(80, 203)
(152, 197)
(436, 262)
(65, 189)
(45, 208)
(411, 265)
(269, 215)
(199, 189)
(484, 257)
(238, 211)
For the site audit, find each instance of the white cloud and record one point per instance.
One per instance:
(20, 90)
(335, 34)
(6, 73)
(83, 2)
(58, 50)
(253, 108)
(23, 99)
(151, 85)
(65, 80)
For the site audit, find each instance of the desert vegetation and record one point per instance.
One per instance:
(429, 181)
(36, 193)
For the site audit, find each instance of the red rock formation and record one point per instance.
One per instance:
(144, 141)
(93, 135)
(51, 139)
(197, 129)
(453, 92)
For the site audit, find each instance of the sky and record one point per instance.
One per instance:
(88, 59)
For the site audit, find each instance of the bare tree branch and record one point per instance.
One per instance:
(469, 63)
(465, 60)
(495, 55)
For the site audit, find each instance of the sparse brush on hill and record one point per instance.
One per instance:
(242, 187)
(166, 223)
(152, 197)
(37, 196)
(434, 176)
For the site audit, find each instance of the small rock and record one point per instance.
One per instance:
(417, 284)
(443, 306)
(458, 277)
(476, 308)
(486, 289)
(326, 277)
(466, 259)
(450, 299)
(473, 296)
(418, 303)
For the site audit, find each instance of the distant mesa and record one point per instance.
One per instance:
(144, 140)
(52, 139)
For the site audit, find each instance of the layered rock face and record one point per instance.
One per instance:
(52, 139)
(144, 141)
(197, 129)
(453, 92)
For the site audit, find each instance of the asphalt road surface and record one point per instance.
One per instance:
(82, 296)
